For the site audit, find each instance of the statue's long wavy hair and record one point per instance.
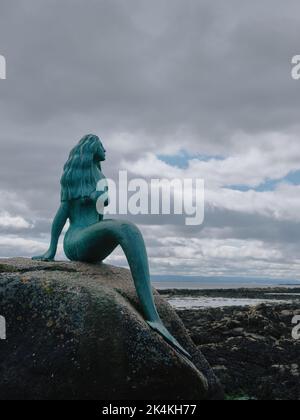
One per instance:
(81, 172)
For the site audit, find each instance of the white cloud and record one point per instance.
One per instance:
(203, 256)
(270, 156)
(14, 222)
(20, 246)
(13, 245)
(281, 204)
(250, 160)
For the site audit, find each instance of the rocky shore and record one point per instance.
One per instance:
(251, 348)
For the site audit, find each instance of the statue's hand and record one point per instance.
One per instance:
(48, 256)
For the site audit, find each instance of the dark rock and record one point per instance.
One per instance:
(260, 359)
(75, 331)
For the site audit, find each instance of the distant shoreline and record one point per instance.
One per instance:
(220, 286)
(254, 292)
(209, 298)
(220, 282)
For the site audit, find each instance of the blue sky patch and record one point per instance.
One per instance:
(181, 160)
(293, 178)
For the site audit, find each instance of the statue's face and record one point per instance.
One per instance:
(100, 155)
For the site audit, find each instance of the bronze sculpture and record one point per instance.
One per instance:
(92, 239)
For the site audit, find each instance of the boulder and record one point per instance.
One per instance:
(76, 331)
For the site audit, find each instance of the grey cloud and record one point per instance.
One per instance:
(152, 69)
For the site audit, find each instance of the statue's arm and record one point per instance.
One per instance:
(57, 227)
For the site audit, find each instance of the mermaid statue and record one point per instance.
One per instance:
(90, 238)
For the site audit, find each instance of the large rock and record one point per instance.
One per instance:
(75, 331)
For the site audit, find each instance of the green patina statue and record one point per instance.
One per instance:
(92, 239)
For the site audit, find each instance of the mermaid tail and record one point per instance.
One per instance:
(159, 327)
(133, 245)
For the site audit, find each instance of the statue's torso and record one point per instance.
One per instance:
(83, 214)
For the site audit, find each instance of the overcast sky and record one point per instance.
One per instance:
(175, 88)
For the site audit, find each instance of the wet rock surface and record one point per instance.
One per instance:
(251, 349)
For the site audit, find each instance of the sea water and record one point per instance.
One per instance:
(182, 303)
